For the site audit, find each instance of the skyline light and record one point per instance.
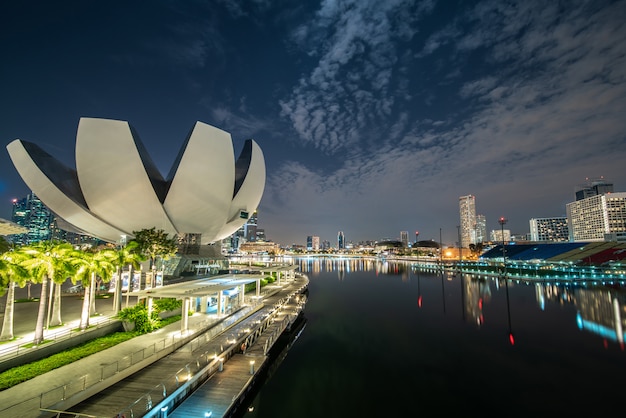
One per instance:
(374, 117)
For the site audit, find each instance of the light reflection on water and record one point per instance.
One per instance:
(388, 339)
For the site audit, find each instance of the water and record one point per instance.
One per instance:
(382, 339)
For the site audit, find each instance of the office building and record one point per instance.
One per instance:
(593, 187)
(312, 243)
(549, 229)
(597, 218)
(498, 234)
(481, 229)
(31, 213)
(341, 241)
(250, 228)
(467, 211)
(404, 238)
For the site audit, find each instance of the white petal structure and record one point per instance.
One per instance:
(116, 188)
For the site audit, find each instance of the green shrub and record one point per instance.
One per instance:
(139, 315)
(167, 304)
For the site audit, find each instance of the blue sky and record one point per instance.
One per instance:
(374, 116)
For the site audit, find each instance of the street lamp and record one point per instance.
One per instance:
(502, 221)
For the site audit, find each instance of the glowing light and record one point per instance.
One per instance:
(511, 339)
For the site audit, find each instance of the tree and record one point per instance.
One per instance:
(12, 274)
(46, 261)
(476, 249)
(130, 256)
(155, 243)
(90, 265)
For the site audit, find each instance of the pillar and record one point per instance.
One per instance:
(184, 323)
(220, 302)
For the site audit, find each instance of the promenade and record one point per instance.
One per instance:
(115, 379)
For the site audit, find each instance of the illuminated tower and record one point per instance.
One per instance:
(30, 212)
(467, 211)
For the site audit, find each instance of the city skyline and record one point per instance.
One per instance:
(373, 117)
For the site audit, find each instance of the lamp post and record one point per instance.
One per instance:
(502, 221)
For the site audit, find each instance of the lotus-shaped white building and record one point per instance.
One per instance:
(116, 188)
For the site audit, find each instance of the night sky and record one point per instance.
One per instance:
(374, 116)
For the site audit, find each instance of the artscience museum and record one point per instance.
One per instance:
(116, 188)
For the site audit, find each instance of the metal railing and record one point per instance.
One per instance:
(50, 337)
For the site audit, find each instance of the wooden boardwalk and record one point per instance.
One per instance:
(140, 393)
(224, 390)
(217, 395)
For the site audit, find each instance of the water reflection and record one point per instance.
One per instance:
(600, 309)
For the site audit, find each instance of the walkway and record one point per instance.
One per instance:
(96, 373)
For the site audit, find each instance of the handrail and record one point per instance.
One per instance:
(14, 351)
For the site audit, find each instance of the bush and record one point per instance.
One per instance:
(167, 304)
(138, 314)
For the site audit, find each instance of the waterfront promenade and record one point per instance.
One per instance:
(95, 384)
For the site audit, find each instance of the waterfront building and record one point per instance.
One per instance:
(341, 241)
(481, 229)
(312, 243)
(500, 235)
(598, 218)
(549, 229)
(467, 211)
(404, 238)
(116, 188)
(260, 248)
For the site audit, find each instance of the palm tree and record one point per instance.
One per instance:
(12, 272)
(66, 269)
(125, 256)
(90, 265)
(45, 261)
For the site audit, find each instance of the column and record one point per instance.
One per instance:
(220, 302)
(184, 323)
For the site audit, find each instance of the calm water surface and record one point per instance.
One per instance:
(384, 339)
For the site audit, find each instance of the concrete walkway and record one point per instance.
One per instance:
(77, 381)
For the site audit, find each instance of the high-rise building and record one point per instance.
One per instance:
(312, 243)
(481, 229)
(549, 229)
(596, 217)
(341, 241)
(31, 213)
(593, 187)
(404, 238)
(467, 211)
(250, 228)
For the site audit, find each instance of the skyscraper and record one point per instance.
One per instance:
(481, 229)
(404, 238)
(341, 241)
(467, 211)
(593, 187)
(596, 217)
(31, 213)
(251, 227)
